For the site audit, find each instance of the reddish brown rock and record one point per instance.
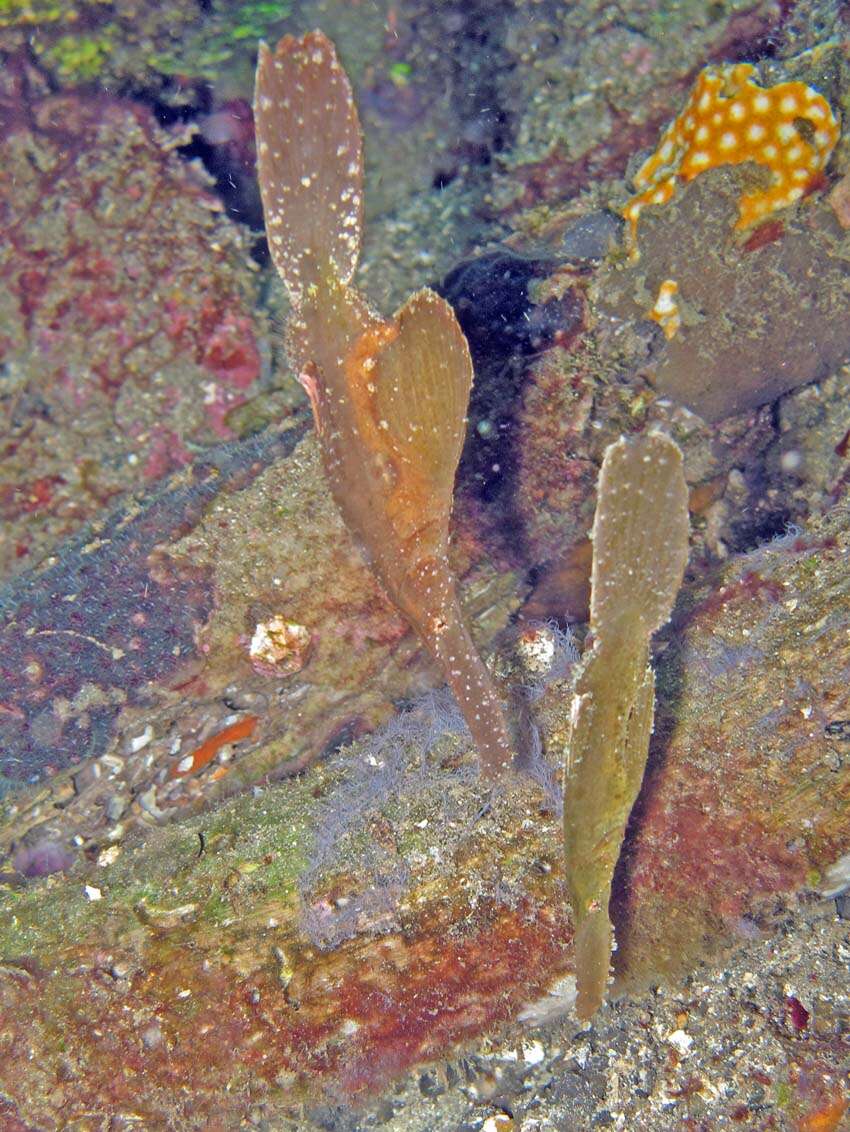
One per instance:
(128, 315)
(207, 929)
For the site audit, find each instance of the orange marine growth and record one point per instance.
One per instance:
(729, 119)
(201, 756)
(666, 310)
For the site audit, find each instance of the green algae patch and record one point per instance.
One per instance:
(217, 40)
(210, 869)
(21, 13)
(79, 58)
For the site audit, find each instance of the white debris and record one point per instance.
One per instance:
(681, 1041)
(836, 878)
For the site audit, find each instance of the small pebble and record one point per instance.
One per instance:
(115, 806)
(593, 236)
(151, 1036)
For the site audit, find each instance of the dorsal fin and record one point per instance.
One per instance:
(309, 161)
(423, 379)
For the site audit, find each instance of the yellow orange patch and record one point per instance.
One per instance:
(728, 119)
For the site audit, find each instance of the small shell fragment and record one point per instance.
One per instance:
(280, 644)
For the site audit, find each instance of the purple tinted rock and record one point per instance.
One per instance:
(42, 857)
(593, 236)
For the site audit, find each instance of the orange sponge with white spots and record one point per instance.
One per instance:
(666, 309)
(729, 119)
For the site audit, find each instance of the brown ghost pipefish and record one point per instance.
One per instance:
(640, 548)
(389, 396)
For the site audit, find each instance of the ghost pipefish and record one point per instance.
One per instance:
(640, 548)
(389, 396)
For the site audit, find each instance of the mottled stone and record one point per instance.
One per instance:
(593, 236)
(754, 322)
(128, 322)
(754, 674)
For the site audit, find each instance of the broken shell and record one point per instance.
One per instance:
(281, 645)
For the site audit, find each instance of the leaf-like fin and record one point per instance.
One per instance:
(593, 942)
(640, 548)
(309, 161)
(423, 379)
(640, 535)
(389, 397)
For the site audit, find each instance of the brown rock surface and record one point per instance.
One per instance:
(209, 928)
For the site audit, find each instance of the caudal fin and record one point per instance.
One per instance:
(640, 534)
(309, 161)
